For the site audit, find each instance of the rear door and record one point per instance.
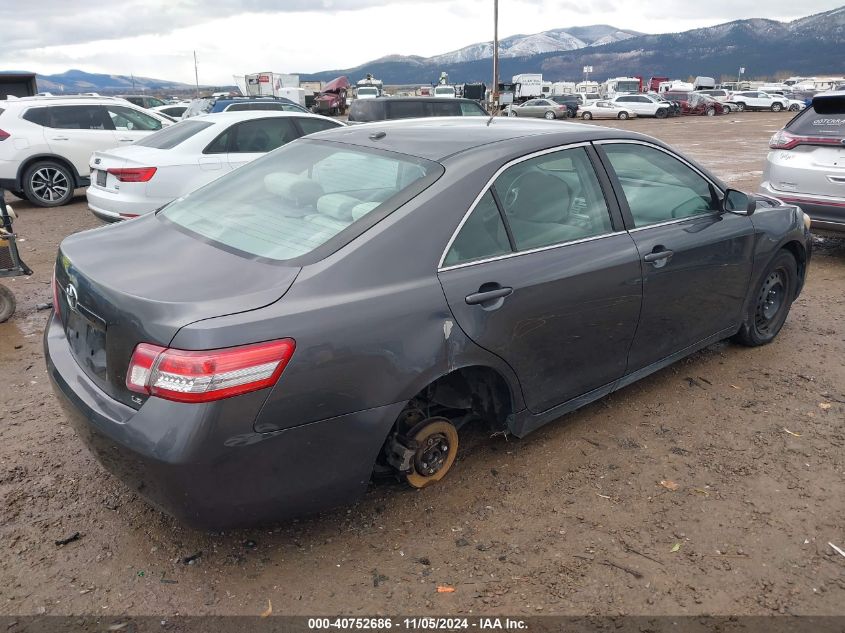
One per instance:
(541, 274)
(77, 131)
(696, 261)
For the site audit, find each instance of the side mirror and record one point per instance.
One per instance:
(739, 202)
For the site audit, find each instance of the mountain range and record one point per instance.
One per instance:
(807, 46)
(814, 45)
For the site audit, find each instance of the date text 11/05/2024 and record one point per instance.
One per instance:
(417, 624)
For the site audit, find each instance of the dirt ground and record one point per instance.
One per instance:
(571, 520)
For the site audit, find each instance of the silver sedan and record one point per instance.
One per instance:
(542, 108)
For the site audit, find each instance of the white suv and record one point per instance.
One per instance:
(756, 100)
(46, 142)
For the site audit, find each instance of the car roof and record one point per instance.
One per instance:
(437, 138)
(245, 115)
(252, 100)
(426, 99)
(76, 99)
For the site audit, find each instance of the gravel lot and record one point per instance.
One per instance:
(571, 520)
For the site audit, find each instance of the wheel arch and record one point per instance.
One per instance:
(800, 253)
(29, 162)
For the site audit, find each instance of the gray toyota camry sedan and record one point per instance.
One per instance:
(348, 303)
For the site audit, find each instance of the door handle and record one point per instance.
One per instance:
(60, 138)
(126, 140)
(658, 255)
(488, 296)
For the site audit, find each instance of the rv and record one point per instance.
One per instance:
(560, 88)
(587, 86)
(704, 83)
(676, 85)
(528, 86)
(620, 86)
(269, 84)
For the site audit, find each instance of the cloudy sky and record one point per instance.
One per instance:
(155, 38)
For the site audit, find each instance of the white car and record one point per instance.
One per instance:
(605, 110)
(756, 100)
(643, 105)
(46, 142)
(173, 110)
(130, 181)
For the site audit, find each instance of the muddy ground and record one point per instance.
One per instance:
(571, 520)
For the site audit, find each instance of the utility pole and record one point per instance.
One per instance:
(495, 56)
(196, 75)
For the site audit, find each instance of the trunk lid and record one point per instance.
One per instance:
(142, 285)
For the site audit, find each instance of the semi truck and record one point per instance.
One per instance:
(268, 84)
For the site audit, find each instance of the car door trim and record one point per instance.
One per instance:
(488, 186)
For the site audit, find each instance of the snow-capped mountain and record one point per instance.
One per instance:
(546, 42)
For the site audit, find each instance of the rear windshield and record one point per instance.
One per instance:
(296, 199)
(810, 123)
(170, 137)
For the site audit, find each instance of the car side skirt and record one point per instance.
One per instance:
(525, 422)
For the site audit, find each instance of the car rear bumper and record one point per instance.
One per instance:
(116, 206)
(204, 464)
(826, 212)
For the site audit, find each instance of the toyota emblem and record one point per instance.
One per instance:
(72, 296)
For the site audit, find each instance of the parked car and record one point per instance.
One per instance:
(722, 96)
(350, 301)
(644, 105)
(130, 181)
(606, 110)
(693, 103)
(386, 108)
(46, 142)
(541, 108)
(756, 100)
(144, 101)
(173, 110)
(806, 161)
(571, 102)
(199, 107)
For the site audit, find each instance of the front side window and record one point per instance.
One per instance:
(445, 108)
(657, 186)
(553, 198)
(309, 125)
(125, 118)
(292, 201)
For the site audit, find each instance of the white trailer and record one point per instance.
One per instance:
(268, 84)
(587, 86)
(620, 86)
(560, 88)
(528, 86)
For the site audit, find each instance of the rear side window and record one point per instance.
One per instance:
(811, 123)
(482, 236)
(170, 137)
(80, 117)
(472, 109)
(405, 109)
(364, 110)
(293, 201)
(445, 108)
(309, 126)
(262, 135)
(39, 116)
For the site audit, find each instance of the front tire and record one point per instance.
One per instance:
(586, 116)
(661, 113)
(771, 302)
(48, 184)
(793, 108)
(7, 304)
(740, 106)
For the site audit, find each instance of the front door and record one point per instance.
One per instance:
(696, 260)
(539, 275)
(131, 125)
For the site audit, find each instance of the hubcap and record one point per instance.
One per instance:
(770, 300)
(49, 184)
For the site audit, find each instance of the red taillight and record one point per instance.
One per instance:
(4, 135)
(786, 140)
(203, 376)
(132, 174)
(128, 216)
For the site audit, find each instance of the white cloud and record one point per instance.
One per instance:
(156, 38)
